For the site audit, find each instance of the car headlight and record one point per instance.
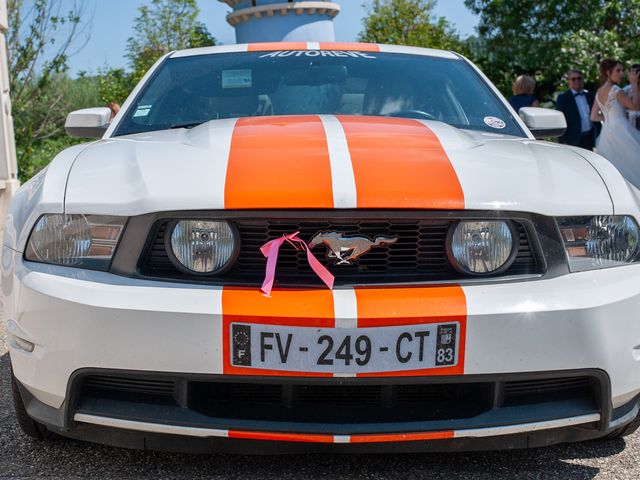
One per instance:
(481, 247)
(85, 241)
(202, 246)
(599, 242)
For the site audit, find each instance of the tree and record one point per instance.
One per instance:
(114, 85)
(409, 22)
(163, 26)
(583, 51)
(545, 38)
(160, 27)
(42, 34)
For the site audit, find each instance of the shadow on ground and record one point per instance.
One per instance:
(22, 457)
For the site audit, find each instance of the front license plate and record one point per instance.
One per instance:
(344, 350)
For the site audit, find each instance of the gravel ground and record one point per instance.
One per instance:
(21, 457)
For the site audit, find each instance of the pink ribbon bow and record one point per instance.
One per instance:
(270, 250)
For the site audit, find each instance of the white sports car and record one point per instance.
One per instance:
(293, 246)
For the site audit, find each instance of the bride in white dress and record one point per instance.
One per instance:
(619, 142)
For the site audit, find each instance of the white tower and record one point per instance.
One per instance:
(8, 167)
(282, 20)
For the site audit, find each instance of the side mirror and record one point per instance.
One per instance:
(544, 122)
(88, 122)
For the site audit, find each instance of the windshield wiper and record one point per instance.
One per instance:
(185, 125)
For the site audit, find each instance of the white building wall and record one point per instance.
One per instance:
(283, 20)
(8, 166)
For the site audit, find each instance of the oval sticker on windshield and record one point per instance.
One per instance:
(494, 122)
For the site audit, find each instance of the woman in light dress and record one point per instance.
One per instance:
(619, 142)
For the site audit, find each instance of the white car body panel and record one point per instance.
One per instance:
(137, 174)
(625, 197)
(522, 175)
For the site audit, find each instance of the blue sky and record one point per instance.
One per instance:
(113, 20)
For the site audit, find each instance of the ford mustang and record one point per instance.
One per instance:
(323, 246)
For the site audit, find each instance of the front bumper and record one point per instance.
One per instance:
(138, 410)
(92, 320)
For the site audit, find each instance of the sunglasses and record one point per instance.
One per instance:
(575, 79)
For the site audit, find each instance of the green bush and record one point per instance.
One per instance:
(40, 154)
(39, 122)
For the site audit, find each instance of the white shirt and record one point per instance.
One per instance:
(583, 108)
(633, 114)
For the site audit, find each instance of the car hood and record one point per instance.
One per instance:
(331, 162)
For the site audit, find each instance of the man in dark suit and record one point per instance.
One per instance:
(576, 104)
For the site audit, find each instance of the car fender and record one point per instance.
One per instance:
(43, 193)
(625, 197)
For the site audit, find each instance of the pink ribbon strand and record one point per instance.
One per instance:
(270, 251)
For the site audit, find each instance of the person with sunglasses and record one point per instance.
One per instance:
(576, 104)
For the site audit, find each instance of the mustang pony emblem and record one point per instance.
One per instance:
(353, 247)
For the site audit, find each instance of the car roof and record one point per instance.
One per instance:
(332, 46)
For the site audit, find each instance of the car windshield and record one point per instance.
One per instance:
(187, 91)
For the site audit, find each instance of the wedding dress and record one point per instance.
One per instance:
(619, 142)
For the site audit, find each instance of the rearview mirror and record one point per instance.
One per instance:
(88, 122)
(544, 122)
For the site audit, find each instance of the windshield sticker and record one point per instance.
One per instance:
(236, 79)
(495, 122)
(142, 111)
(317, 53)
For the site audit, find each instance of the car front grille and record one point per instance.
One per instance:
(332, 401)
(130, 384)
(419, 255)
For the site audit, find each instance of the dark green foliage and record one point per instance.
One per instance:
(114, 85)
(41, 33)
(409, 22)
(38, 155)
(41, 126)
(545, 38)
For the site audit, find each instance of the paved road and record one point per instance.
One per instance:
(24, 458)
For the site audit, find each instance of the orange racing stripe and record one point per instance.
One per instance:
(279, 162)
(319, 438)
(400, 163)
(290, 307)
(401, 437)
(282, 437)
(383, 307)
